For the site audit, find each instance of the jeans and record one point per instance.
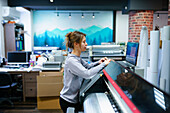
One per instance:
(64, 105)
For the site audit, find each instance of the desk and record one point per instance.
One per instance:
(29, 80)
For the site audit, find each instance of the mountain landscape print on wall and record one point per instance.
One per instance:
(94, 36)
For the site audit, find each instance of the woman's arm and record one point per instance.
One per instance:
(88, 66)
(78, 69)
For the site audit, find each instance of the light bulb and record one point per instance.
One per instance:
(93, 16)
(82, 16)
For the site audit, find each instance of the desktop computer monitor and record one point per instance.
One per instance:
(18, 57)
(132, 52)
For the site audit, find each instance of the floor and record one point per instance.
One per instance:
(26, 107)
(30, 111)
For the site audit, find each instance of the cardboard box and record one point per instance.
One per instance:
(58, 73)
(48, 103)
(49, 89)
(50, 79)
(49, 84)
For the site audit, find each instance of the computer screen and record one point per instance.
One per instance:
(132, 52)
(18, 57)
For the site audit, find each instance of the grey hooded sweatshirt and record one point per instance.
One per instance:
(75, 70)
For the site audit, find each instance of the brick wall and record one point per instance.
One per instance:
(137, 19)
(169, 13)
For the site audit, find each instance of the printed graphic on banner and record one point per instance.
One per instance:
(50, 27)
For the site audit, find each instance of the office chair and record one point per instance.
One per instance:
(6, 89)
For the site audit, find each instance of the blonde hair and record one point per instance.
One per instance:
(72, 37)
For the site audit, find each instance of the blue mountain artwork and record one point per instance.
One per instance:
(94, 36)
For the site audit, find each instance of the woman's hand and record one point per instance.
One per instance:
(107, 61)
(102, 60)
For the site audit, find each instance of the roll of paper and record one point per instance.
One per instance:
(165, 69)
(143, 50)
(166, 33)
(154, 55)
(162, 33)
(148, 73)
(162, 84)
(160, 63)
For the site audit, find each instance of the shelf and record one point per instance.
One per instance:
(45, 48)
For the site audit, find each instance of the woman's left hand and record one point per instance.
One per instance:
(102, 60)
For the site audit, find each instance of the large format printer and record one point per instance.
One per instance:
(115, 52)
(119, 90)
(85, 55)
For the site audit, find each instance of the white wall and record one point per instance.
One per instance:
(122, 26)
(25, 19)
(2, 50)
(162, 20)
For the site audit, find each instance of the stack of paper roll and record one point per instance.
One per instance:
(143, 50)
(165, 64)
(154, 56)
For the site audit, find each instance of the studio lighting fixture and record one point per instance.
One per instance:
(93, 16)
(125, 7)
(158, 15)
(82, 16)
(69, 15)
(51, 1)
(75, 13)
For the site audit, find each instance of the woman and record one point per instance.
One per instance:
(76, 69)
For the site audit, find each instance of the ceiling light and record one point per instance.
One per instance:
(51, 0)
(93, 16)
(158, 15)
(125, 7)
(82, 16)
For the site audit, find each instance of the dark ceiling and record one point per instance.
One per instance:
(91, 4)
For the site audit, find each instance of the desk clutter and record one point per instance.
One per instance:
(49, 58)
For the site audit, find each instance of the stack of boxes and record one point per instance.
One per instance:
(49, 85)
